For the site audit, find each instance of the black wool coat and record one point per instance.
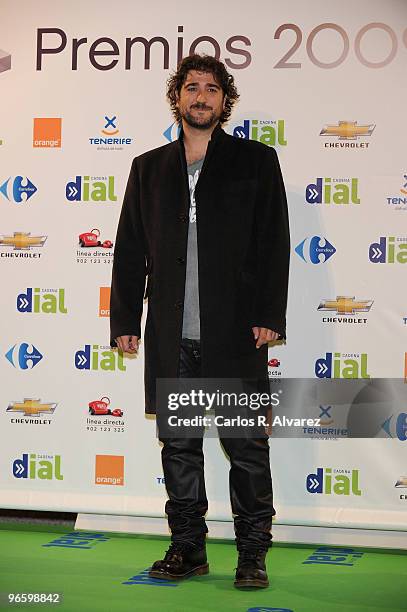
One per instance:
(243, 256)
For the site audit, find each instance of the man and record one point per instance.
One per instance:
(205, 219)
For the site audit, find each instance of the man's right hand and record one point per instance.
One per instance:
(128, 344)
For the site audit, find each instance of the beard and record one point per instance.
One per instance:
(200, 123)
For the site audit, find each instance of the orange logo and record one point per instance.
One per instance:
(109, 470)
(104, 302)
(47, 132)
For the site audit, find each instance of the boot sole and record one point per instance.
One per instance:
(246, 584)
(196, 571)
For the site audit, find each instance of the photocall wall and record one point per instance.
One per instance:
(82, 93)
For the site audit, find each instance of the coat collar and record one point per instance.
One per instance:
(217, 136)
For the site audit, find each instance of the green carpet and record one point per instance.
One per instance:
(107, 572)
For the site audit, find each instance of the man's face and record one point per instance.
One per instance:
(201, 100)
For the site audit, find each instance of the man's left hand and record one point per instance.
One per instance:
(263, 335)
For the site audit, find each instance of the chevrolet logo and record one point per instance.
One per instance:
(402, 482)
(31, 407)
(347, 130)
(346, 305)
(20, 240)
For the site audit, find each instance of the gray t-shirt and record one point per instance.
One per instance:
(190, 323)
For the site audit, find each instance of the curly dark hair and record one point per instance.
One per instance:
(202, 63)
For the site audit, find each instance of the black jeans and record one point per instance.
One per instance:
(250, 484)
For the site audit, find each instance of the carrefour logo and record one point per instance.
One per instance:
(396, 426)
(389, 249)
(315, 249)
(172, 132)
(329, 481)
(24, 356)
(95, 357)
(18, 190)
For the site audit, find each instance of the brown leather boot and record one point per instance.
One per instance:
(251, 568)
(181, 560)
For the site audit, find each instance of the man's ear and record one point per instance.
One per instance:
(224, 102)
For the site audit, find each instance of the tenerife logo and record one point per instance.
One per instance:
(91, 189)
(109, 132)
(33, 465)
(325, 417)
(389, 249)
(97, 357)
(47, 301)
(396, 426)
(400, 202)
(345, 306)
(47, 132)
(267, 131)
(24, 356)
(332, 481)
(18, 190)
(333, 191)
(326, 430)
(345, 365)
(315, 250)
(5, 61)
(172, 132)
(32, 407)
(109, 470)
(348, 133)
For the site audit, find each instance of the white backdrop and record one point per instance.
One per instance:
(301, 69)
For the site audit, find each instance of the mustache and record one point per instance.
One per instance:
(201, 106)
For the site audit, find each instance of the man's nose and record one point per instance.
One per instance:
(201, 96)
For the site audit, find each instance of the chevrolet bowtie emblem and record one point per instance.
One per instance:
(347, 130)
(22, 240)
(32, 407)
(346, 305)
(402, 482)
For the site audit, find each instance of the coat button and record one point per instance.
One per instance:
(183, 217)
(180, 260)
(178, 305)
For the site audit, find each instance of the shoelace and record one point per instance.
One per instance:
(248, 554)
(177, 548)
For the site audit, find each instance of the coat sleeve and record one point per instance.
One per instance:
(273, 247)
(129, 265)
